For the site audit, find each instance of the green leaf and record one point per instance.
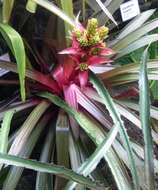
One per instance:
(4, 131)
(7, 10)
(154, 89)
(107, 100)
(27, 127)
(15, 173)
(54, 9)
(148, 39)
(67, 7)
(105, 10)
(76, 156)
(131, 37)
(90, 164)
(62, 145)
(19, 107)
(132, 26)
(93, 5)
(41, 179)
(46, 80)
(134, 106)
(97, 135)
(129, 68)
(48, 168)
(145, 120)
(31, 6)
(15, 43)
(84, 10)
(112, 6)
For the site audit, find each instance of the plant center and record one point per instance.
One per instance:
(83, 66)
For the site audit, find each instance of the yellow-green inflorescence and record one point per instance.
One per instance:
(83, 66)
(92, 35)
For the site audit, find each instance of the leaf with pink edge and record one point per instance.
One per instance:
(83, 78)
(96, 60)
(70, 50)
(70, 96)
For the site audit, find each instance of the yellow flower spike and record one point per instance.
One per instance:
(83, 39)
(83, 66)
(103, 31)
(77, 32)
(92, 34)
(94, 39)
(92, 26)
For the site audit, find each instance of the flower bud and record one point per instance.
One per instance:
(103, 31)
(92, 26)
(83, 39)
(93, 40)
(83, 66)
(77, 32)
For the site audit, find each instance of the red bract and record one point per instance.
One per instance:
(87, 49)
(65, 75)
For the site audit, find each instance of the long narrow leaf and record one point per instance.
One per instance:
(112, 6)
(4, 131)
(90, 164)
(132, 26)
(145, 120)
(62, 144)
(134, 106)
(7, 10)
(27, 127)
(148, 39)
(106, 11)
(76, 156)
(19, 107)
(54, 9)
(41, 179)
(67, 7)
(48, 168)
(15, 173)
(128, 68)
(31, 6)
(124, 111)
(117, 120)
(97, 136)
(15, 43)
(131, 37)
(33, 74)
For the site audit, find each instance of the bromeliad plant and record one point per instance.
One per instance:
(89, 83)
(87, 49)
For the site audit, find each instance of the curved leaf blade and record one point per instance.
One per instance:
(102, 91)
(15, 43)
(27, 127)
(41, 179)
(7, 10)
(132, 26)
(105, 10)
(90, 164)
(15, 173)
(133, 36)
(4, 131)
(97, 136)
(148, 39)
(145, 120)
(54, 9)
(48, 168)
(31, 6)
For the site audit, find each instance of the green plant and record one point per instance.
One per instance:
(79, 109)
